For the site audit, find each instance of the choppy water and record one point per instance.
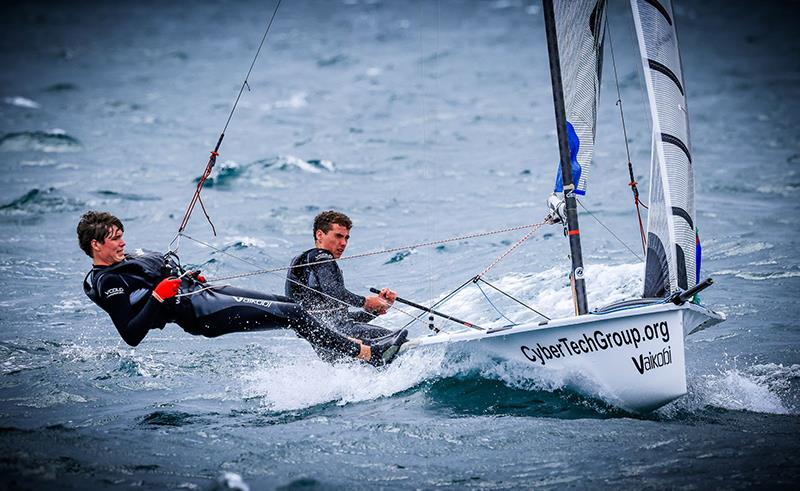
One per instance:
(422, 120)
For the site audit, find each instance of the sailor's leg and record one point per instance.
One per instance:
(225, 310)
(363, 331)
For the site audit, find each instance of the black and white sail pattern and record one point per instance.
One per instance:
(671, 237)
(580, 26)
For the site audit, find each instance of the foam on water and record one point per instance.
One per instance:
(295, 101)
(21, 102)
(305, 382)
(302, 383)
(737, 249)
(756, 388)
(547, 291)
(747, 275)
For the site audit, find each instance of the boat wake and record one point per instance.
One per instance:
(757, 388)
(450, 377)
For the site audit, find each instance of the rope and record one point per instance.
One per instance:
(436, 304)
(512, 298)
(632, 183)
(215, 153)
(610, 231)
(274, 271)
(534, 228)
(493, 305)
(415, 318)
(365, 254)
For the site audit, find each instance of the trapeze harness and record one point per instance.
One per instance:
(124, 291)
(316, 282)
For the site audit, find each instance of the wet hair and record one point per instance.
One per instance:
(96, 225)
(324, 220)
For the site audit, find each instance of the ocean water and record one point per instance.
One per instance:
(422, 120)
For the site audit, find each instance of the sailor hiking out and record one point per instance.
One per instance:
(147, 290)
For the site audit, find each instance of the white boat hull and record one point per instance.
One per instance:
(632, 358)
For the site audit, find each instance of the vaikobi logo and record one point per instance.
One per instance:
(113, 291)
(651, 361)
(256, 301)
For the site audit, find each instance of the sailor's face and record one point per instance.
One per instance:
(335, 241)
(111, 250)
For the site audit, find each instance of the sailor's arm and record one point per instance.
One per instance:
(331, 281)
(380, 303)
(132, 326)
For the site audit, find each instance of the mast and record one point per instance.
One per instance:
(573, 232)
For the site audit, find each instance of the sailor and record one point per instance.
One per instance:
(316, 282)
(146, 290)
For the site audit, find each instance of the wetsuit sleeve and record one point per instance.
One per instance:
(131, 325)
(330, 281)
(361, 316)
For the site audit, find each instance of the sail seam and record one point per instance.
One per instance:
(667, 138)
(661, 68)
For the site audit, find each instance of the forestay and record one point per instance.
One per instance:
(579, 27)
(671, 238)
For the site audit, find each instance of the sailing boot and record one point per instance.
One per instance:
(385, 349)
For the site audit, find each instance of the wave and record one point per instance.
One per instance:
(547, 291)
(399, 256)
(229, 171)
(291, 163)
(40, 202)
(452, 381)
(61, 87)
(21, 102)
(758, 388)
(226, 172)
(168, 418)
(296, 101)
(52, 141)
(752, 276)
(737, 248)
(474, 383)
(125, 196)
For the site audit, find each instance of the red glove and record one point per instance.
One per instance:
(199, 277)
(168, 288)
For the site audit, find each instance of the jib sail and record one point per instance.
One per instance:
(671, 238)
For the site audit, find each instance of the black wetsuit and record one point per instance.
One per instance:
(304, 282)
(124, 291)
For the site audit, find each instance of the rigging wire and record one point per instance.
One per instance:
(511, 249)
(415, 318)
(632, 183)
(275, 271)
(476, 279)
(439, 302)
(370, 253)
(587, 210)
(215, 153)
(493, 305)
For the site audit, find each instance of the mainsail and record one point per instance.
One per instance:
(580, 26)
(671, 237)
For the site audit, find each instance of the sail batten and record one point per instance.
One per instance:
(671, 262)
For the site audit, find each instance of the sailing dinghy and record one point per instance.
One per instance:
(630, 354)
